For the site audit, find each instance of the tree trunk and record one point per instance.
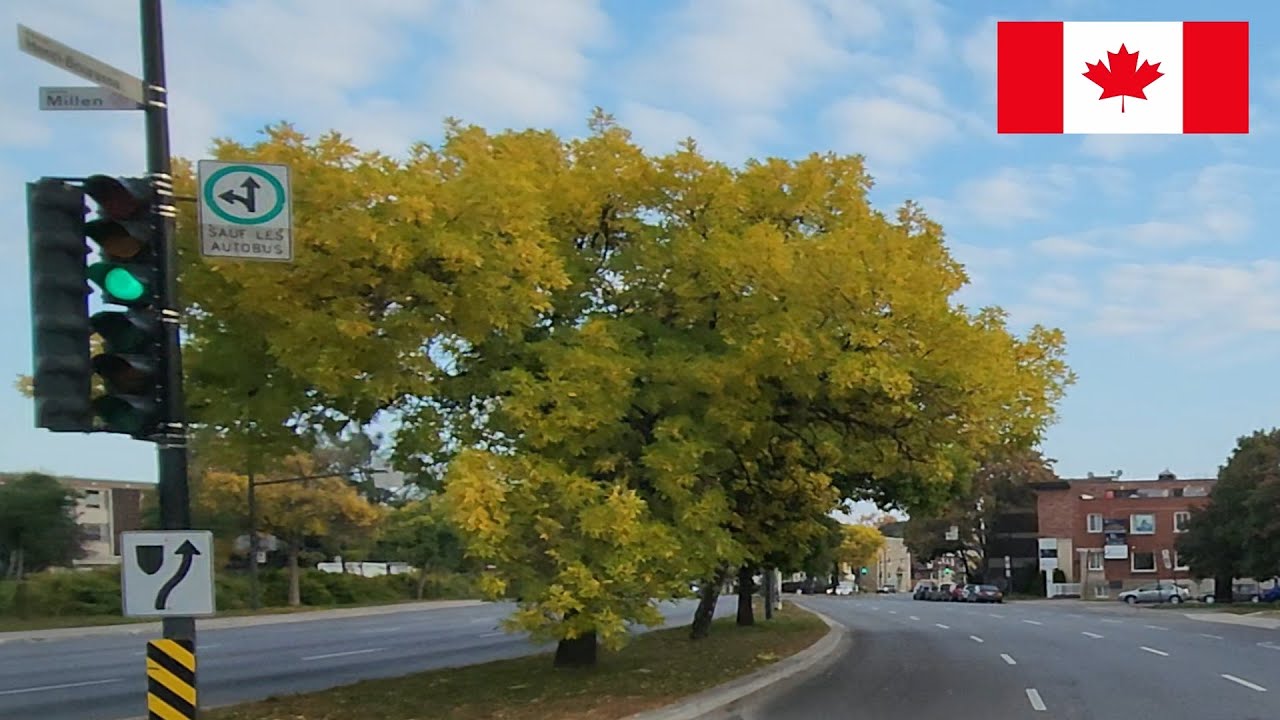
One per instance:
(295, 577)
(746, 586)
(1223, 590)
(576, 652)
(708, 597)
(768, 593)
(422, 582)
(21, 574)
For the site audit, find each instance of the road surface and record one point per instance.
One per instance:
(1065, 660)
(104, 677)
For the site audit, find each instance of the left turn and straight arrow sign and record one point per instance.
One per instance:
(167, 573)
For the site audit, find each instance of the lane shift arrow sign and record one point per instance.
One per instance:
(249, 199)
(187, 551)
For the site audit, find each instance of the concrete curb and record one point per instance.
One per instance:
(217, 623)
(1233, 619)
(753, 688)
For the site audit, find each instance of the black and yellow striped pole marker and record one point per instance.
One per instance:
(171, 680)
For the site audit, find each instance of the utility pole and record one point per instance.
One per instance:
(174, 493)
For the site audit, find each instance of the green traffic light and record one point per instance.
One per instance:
(122, 284)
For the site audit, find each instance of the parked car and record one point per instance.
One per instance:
(959, 593)
(922, 590)
(844, 588)
(1240, 593)
(1271, 594)
(984, 594)
(1157, 593)
(943, 592)
(886, 589)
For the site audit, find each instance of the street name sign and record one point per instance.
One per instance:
(84, 98)
(95, 71)
(245, 211)
(167, 573)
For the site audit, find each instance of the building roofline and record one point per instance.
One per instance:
(73, 480)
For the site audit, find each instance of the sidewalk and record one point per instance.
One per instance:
(1257, 620)
(215, 623)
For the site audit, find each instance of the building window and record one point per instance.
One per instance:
(1095, 560)
(1180, 521)
(1143, 562)
(1093, 523)
(93, 498)
(1178, 564)
(1100, 591)
(94, 533)
(1143, 524)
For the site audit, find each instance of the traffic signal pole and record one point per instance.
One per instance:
(174, 492)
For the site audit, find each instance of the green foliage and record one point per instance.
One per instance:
(37, 524)
(1237, 534)
(97, 592)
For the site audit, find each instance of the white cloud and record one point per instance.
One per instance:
(1117, 147)
(1069, 248)
(1012, 196)
(659, 130)
(1199, 303)
(888, 131)
(978, 50)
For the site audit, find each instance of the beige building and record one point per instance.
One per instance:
(104, 509)
(893, 565)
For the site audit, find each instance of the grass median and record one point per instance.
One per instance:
(655, 669)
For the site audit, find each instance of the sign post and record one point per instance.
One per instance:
(245, 211)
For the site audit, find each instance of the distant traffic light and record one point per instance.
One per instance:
(61, 372)
(863, 571)
(133, 339)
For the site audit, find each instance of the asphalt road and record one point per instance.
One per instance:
(104, 677)
(1035, 659)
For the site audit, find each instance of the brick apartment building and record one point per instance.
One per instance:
(1109, 534)
(104, 509)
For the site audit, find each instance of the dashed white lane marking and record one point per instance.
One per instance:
(1008, 659)
(913, 617)
(381, 630)
(976, 639)
(1092, 635)
(995, 615)
(1269, 645)
(893, 612)
(944, 627)
(1033, 622)
(1155, 627)
(1246, 683)
(1154, 651)
(1113, 622)
(1037, 704)
(347, 653)
(63, 686)
(1210, 636)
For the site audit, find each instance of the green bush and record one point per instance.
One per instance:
(97, 592)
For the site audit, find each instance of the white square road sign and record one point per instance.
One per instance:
(245, 211)
(167, 573)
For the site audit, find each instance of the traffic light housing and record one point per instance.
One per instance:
(61, 371)
(864, 570)
(132, 340)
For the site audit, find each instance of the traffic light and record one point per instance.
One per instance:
(864, 571)
(127, 274)
(61, 371)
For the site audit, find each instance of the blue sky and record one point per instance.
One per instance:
(1151, 252)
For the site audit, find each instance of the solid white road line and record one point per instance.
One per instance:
(492, 634)
(975, 638)
(1034, 696)
(1033, 622)
(1154, 651)
(1246, 683)
(1155, 627)
(1213, 637)
(944, 627)
(63, 686)
(1089, 634)
(1008, 659)
(326, 656)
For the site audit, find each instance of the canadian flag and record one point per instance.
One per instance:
(1122, 77)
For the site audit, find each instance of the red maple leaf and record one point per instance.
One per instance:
(1124, 78)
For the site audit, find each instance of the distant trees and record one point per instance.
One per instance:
(37, 525)
(1237, 533)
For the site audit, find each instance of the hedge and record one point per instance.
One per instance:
(97, 592)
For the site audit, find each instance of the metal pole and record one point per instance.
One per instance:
(254, 597)
(175, 503)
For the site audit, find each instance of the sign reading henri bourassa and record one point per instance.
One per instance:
(73, 61)
(245, 211)
(167, 573)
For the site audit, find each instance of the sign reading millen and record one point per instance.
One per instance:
(84, 98)
(73, 61)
